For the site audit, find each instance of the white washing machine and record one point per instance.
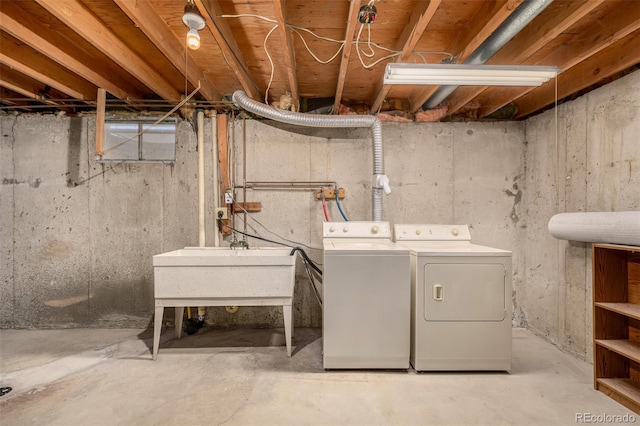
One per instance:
(366, 281)
(460, 300)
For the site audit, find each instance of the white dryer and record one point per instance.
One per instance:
(460, 300)
(366, 286)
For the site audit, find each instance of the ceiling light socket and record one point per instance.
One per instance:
(192, 17)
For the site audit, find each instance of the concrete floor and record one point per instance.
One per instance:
(241, 377)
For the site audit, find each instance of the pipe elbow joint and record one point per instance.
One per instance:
(382, 181)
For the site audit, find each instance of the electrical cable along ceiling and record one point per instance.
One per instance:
(327, 56)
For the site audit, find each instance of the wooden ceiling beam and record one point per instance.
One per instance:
(26, 86)
(420, 18)
(613, 27)
(350, 31)
(615, 58)
(7, 103)
(144, 16)
(27, 61)
(212, 12)
(42, 45)
(43, 77)
(24, 91)
(527, 42)
(490, 16)
(73, 14)
(20, 83)
(286, 39)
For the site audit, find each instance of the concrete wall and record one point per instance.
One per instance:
(80, 255)
(77, 236)
(593, 166)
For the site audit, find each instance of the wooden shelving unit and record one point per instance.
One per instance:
(616, 322)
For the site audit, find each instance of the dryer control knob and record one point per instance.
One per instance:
(345, 229)
(418, 231)
(374, 230)
(454, 231)
(332, 229)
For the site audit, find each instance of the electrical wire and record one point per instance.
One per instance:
(371, 45)
(313, 54)
(370, 55)
(294, 248)
(305, 259)
(264, 44)
(324, 209)
(273, 233)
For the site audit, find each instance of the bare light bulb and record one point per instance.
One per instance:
(193, 39)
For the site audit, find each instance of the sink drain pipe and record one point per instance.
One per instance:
(380, 180)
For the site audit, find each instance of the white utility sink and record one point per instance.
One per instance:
(218, 276)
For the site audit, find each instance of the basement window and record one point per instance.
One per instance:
(139, 140)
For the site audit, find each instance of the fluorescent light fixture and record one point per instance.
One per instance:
(468, 75)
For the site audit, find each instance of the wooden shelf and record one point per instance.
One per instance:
(624, 391)
(616, 323)
(627, 309)
(625, 348)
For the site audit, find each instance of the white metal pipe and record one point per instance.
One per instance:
(201, 229)
(216, 175)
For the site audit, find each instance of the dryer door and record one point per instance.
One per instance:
(464, 292)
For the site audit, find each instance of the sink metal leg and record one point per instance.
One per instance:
(157, 329)
(287, 313)
(179, 317)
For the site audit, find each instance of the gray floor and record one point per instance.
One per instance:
(241, 377)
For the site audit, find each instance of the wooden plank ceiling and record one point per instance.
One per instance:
(56, 54)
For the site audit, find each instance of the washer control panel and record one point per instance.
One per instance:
(429, 232)
(356, 230)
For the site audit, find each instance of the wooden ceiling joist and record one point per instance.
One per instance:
(25, 86)
(28, 62)
(211, 11)
(286, 40)
(420, 18)
(61, 51)
(527, 42)
(622, 22)
(73, 14)
(145, 17)
(613, 59)
(20, 83)
(18, 89)
(42, 45)
(350, 32)
(491, 15)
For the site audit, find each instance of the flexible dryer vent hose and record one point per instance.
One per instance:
(380, 180)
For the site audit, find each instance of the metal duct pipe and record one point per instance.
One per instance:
(380, 180)
(597, 227)
(511, 26)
